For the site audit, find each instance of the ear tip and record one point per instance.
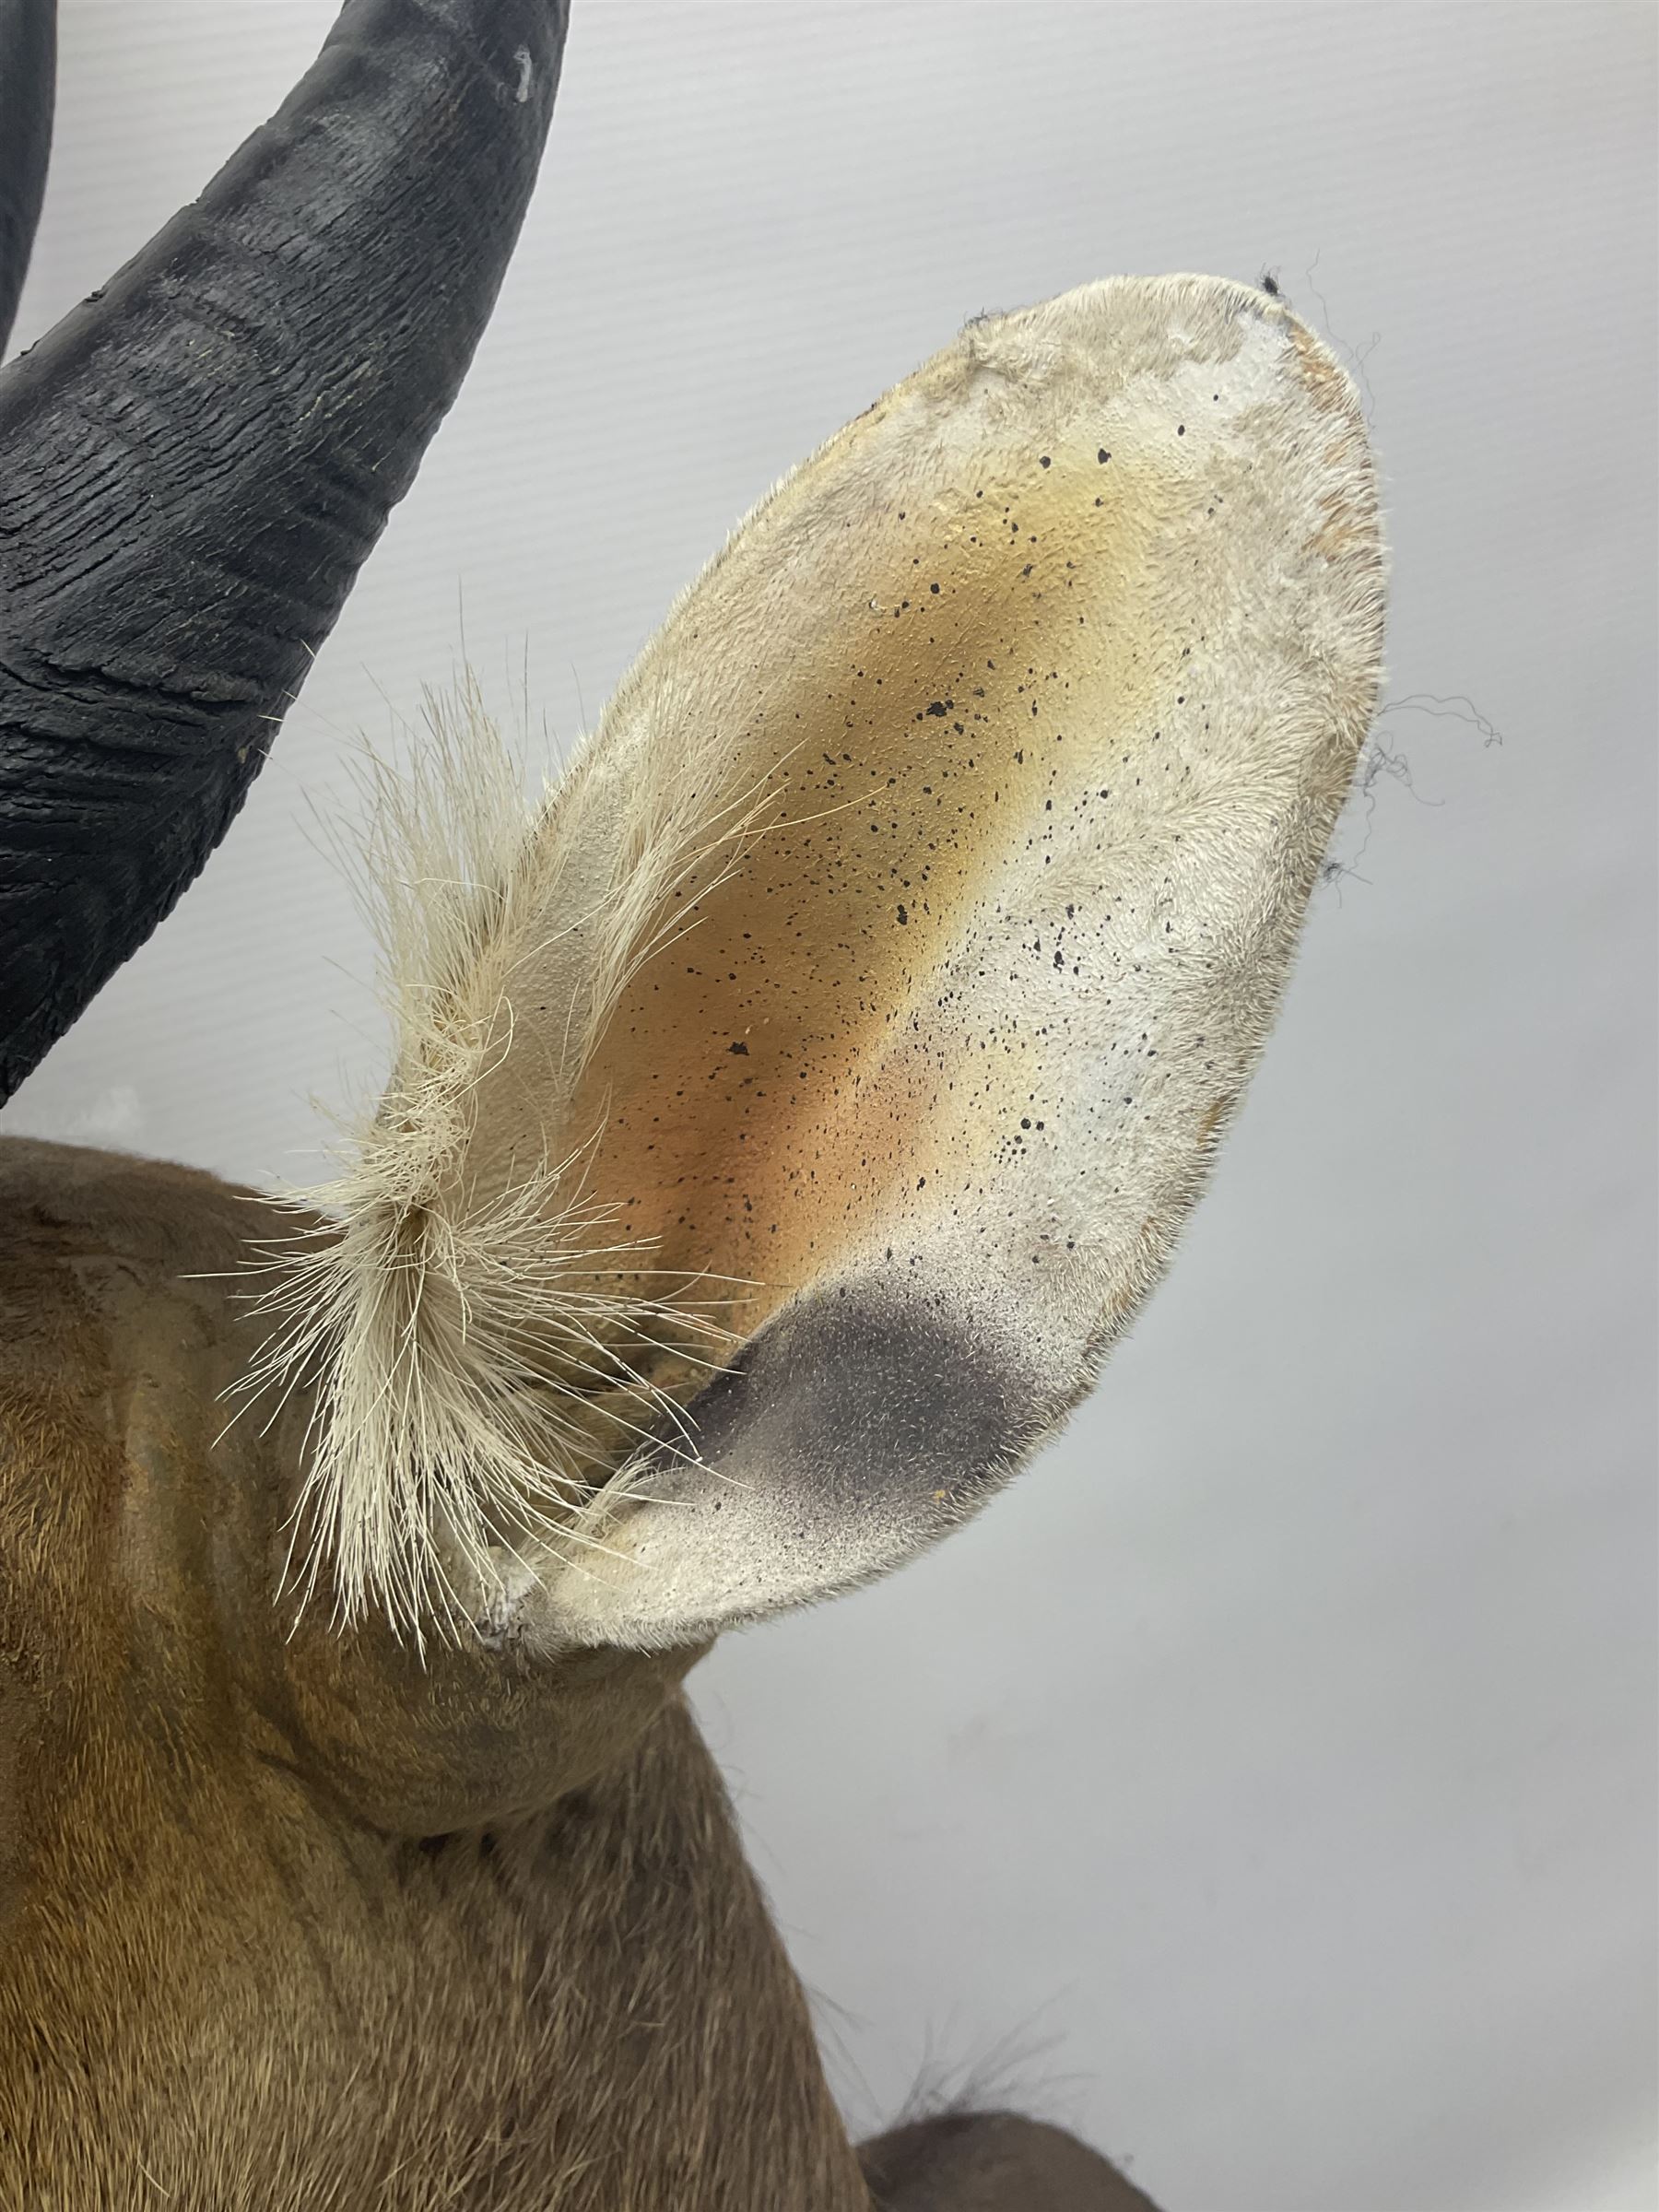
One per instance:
(1195, 314)
(1173, 363)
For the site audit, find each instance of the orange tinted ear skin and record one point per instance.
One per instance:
(1059, 662)
(895, 953)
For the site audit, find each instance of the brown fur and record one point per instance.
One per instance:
(986, 2161)
(302, 1921)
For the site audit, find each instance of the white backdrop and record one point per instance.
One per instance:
(1267, 1784)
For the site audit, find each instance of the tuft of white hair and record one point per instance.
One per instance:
(482, 1348)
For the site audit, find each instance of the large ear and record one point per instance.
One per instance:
(873, 990)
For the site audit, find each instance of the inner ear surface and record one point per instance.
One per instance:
(881, 979)
(1052, 634)
(851, 1429)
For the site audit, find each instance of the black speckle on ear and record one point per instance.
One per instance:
(740, 1048)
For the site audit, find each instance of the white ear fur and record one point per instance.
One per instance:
(868, 999)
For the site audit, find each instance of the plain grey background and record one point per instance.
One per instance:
(1267, 1784)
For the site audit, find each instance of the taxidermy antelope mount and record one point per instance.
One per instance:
(787, 1116)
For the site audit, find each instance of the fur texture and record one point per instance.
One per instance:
(901, 945)
(300, 1920)
(787, 1116)
(477, 1337)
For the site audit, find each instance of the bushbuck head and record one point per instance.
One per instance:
(788, 1112)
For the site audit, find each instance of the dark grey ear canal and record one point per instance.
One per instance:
(195, 463)
(28, 68)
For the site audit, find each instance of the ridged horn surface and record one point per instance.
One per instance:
(194, 463)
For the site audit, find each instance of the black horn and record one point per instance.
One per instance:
(28, 66)
(194, 463)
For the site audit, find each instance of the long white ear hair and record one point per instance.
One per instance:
(790, 1114)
